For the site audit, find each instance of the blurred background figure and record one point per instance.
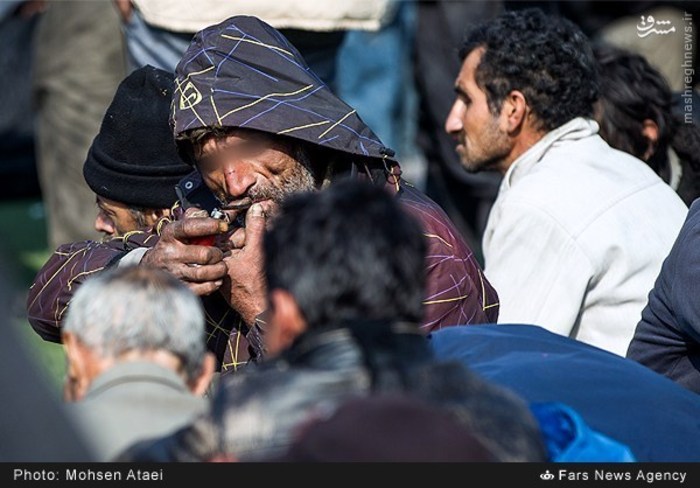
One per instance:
(373, 76)
(78, 62)
(158, 32)
(637, 114)
(360, 48)
(467, 198)
(137, 362)
(18, 20)
(387, 428)
(34, 425)
(625, 24)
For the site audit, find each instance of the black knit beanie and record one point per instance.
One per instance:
(133, 159)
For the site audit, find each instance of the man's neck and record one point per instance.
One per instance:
(527, 138)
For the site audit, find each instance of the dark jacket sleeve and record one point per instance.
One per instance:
(667, 338)
(67, 268)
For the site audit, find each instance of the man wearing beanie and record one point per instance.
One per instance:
(133, 168)
(132, 165)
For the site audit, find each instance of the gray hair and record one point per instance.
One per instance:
(139, 308)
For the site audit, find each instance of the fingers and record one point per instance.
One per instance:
(201, 267)
(201, 279)
(169, 255)
(195, 212)
(255, 225)
(203, 289)
(237, 238)
(252, 232)
(189, 228)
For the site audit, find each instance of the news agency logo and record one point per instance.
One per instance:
(648, 25)
(547, 476)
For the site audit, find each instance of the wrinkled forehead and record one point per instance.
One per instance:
(232, 138)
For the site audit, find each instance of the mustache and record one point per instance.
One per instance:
(253, 196)
(240, 204)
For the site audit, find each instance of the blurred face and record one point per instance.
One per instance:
(246, 167)
(482, 143)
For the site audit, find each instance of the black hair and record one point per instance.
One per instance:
(631, 91)
(347, 252)
(546, 57)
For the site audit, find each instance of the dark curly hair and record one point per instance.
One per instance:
(546, 57)
(367, 265)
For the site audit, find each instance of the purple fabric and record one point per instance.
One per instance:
(71, 264)
(244, 73)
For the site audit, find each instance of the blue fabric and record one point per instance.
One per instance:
(618, 397)
(149, 45)
(374, 75)
(569, 439)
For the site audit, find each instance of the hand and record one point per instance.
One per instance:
(244, 285)
(200, 267)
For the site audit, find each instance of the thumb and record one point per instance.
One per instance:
(254, 224)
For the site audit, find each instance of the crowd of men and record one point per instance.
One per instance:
(268, 278)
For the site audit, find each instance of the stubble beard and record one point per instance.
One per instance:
(299, 179)
(491, 154)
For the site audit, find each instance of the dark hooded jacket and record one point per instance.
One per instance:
(243, 73)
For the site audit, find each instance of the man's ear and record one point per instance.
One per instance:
(78, 378)
(514, 111)
(650, 131)
(287, 322)
(152, 215)
(200, 384)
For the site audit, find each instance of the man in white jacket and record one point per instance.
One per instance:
(579, 230)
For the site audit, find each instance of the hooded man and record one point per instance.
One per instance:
(258, 125)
